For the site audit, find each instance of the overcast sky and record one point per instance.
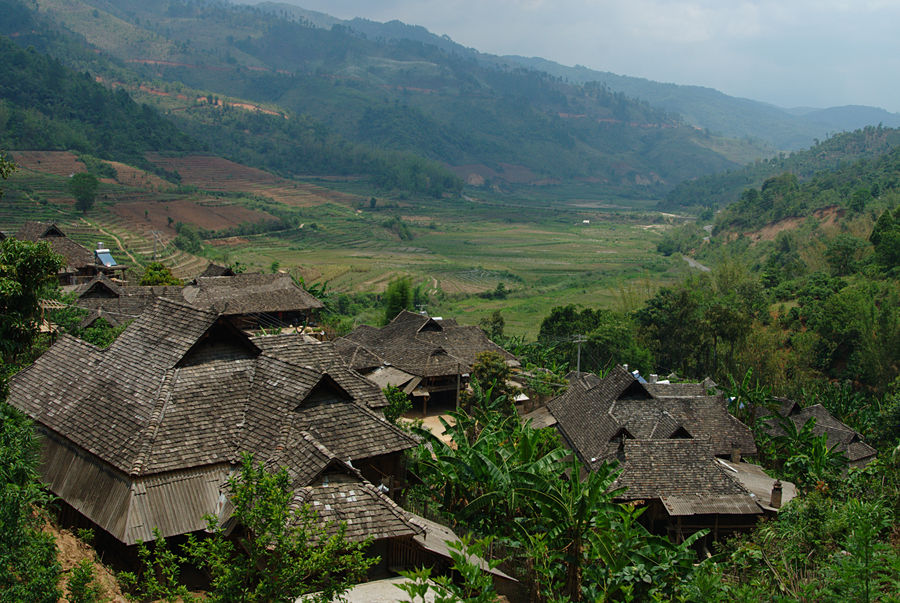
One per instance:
(817, 53)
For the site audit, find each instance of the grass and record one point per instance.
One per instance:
(538, 246)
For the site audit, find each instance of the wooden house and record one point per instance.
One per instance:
(839, 436)
(249, 301)
(428, 358)
(81, 264)
(144, 435)
(668, 440)
(253, 300)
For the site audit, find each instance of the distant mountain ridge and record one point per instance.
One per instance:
(785, 129)
(389, 87)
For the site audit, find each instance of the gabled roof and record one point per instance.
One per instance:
(249, 293)
(229, 295)
(592, 413)
(838, 435)
(685, 476)
(181, 387)
(119, 304)
(216, 270)
(76, 256)
(291, 348)
(418, 345)
(176, 399)
(366, 512)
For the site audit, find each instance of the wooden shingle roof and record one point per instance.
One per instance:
(594, 415)
(366, 512)
(249, 293)
(684, 475)
(838, 435)
(418, 345)
(182, 390)
(76, 256)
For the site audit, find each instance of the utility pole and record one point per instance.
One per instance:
(579, 339)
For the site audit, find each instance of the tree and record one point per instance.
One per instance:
(29, 570)
(157, 273)
(26, 270)
(83, 186)
(491, 372)
(493, 325)
(843, 253)
(886, 239)
(280, 552)
(398, 403)
(397, 297)
(6, 169)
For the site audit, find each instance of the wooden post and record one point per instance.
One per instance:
(458, 378)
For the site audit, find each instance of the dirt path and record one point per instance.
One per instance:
(695, 264)
(114, 238)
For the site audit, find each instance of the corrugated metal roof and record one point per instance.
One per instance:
(436, 537)
(390, 375)
(174, 502)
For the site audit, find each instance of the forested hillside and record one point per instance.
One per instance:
(718, 190)
(44, 105)
(492, 124)
(784, 129)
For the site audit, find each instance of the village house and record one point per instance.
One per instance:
(144, 435)
(671, 442)
(429, 358)
(838, 435)
(81, 264)
(253, 300)
(249, 301)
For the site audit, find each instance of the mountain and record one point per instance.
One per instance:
(783, 128)
(44, 105)
(718, 190)
(492, 123)
(786, 129)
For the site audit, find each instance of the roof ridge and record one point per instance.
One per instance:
(156, 417)
(242, 424)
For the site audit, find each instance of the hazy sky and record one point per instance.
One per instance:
(816, 53)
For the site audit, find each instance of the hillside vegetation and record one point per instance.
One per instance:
(491, 124)
(718, 190)
(44, 105)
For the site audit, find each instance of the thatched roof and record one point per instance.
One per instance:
(418, 345)
(183, 393)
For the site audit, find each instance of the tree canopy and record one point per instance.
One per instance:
(83, 186)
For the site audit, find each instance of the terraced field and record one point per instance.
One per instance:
(58, 163)
(543, 253)
(216, 174)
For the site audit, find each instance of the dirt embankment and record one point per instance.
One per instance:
(827, 216)
(71, 551)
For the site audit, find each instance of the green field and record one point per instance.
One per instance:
(537, 244)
